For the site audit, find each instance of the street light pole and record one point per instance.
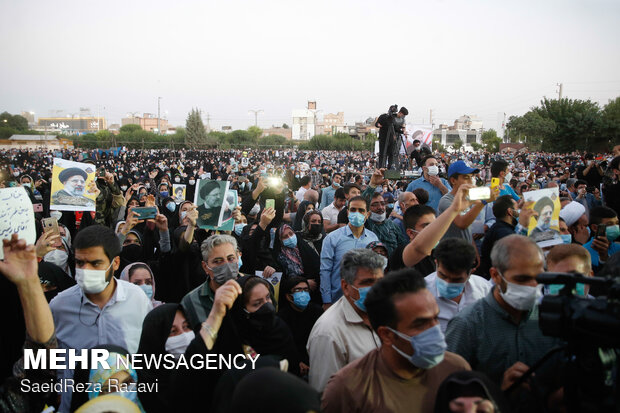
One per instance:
(158, 110)
(256, 112)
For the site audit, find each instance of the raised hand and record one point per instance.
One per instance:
(20, 261)
(46, 243)
(161, 222)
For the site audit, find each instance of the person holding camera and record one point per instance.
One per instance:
(390, 125)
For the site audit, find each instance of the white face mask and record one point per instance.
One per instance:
(255, 209)
(178, 344)
(57, 257)
(520, 297)
(508, 177)
(433, 170)
(92, 281)
(377, 217)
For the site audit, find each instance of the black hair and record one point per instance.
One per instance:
(498, 166)
(404, 111)
(379, 301)
(615, 163)
(422, 195)
(339, 194)
(501, 206)
(98, 236)
(597, 214)
(414, 213)
(289, 283)
(581, 182)
(455, 254)
(305, 180)
(347, 188)
(426, 158)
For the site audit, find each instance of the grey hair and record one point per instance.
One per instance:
(359, 258)
(401, 197)
(501, 252)
(214, 241)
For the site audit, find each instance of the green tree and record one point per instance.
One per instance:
(437, 145)
(255, 132)
(578, 124)
(196, 133)
(491, 141)
(610, 118)
(273, 140)
(531, 129)
(17, 122)
(476, 146)
(131, 128)
(285, 126)
(458, 144)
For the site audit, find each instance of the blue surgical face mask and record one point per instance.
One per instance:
(301, 299)
(612, 232)
(183, 213)
(239, 228)
(390, 206)
(566, 238)
(240, 262)
(290, 242)
(171, 206)
(357, 219)
(148, 290)
(448, 290)
(359, 303)
(163, 194)
(428, 347)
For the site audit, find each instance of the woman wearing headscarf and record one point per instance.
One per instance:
(250, 327)
(299, 314)
(297, 258)
(301, 211)
(312, 230)
(140, 274)
(461, 391)
(164, 331)
(107, 380)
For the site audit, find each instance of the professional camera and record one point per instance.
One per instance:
(393, 110)
(591, 329)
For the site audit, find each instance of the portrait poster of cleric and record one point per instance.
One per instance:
(72, 184)
(545, 229)
(210, 197)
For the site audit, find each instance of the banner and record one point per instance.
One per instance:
(423, 133)
(16, 216)
(210, 197)
(179, 192)
(546, 229)
(70, 183)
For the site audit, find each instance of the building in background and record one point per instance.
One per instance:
(71, 125)
(305, 122)
(45, 142)
(29, 117)
(148, 122)
(466, 128)
(334, 123)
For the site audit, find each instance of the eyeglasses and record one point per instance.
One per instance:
(300, 290)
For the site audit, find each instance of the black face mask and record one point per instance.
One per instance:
(263, 317)
(315, 229)
(131, 253)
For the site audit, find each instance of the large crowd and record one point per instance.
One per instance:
(357, 293)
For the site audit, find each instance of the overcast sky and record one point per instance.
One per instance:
(476, 57)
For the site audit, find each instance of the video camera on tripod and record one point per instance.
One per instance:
(591, 329)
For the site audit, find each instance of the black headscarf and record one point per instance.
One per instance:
(55, 276)
(469, 384)
(301, 211)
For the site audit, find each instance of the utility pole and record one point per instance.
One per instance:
(560, 85)
(256, 112)
(208, 122)
(431, 119)
(158, 120)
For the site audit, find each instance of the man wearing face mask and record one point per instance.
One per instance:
(453, 284)
(431, 182)
(327, 194)
(385, 229)
(220, 261)
(499, 334)
(404, 374)
(100, 309)
(337, 243)
(343, 333)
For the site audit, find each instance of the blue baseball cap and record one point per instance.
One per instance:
(460, 167)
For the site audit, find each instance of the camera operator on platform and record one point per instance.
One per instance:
(385, 123)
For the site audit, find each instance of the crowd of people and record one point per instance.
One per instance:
(343, 290)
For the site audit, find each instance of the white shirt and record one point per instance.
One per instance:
(331, 212)
(299, 195)
(475, 288)
(338, 337)
(81, 324)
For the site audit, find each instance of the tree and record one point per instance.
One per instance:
(610, 118)
(285, 126)
(196, 133)
(491, 141)
(531, 129)
(458, 144)
(255, 132)
(273, 140)
(476, 146)
(130, 128)
(17, 122)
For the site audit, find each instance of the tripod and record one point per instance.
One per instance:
(391, 160)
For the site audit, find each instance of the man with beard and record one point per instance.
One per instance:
(74, 180)
(544, 208)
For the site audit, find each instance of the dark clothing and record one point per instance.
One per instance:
(498, 231)
(343, 215)
(387, 141)
(593, 178)
(425, 266)
(300, 323)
